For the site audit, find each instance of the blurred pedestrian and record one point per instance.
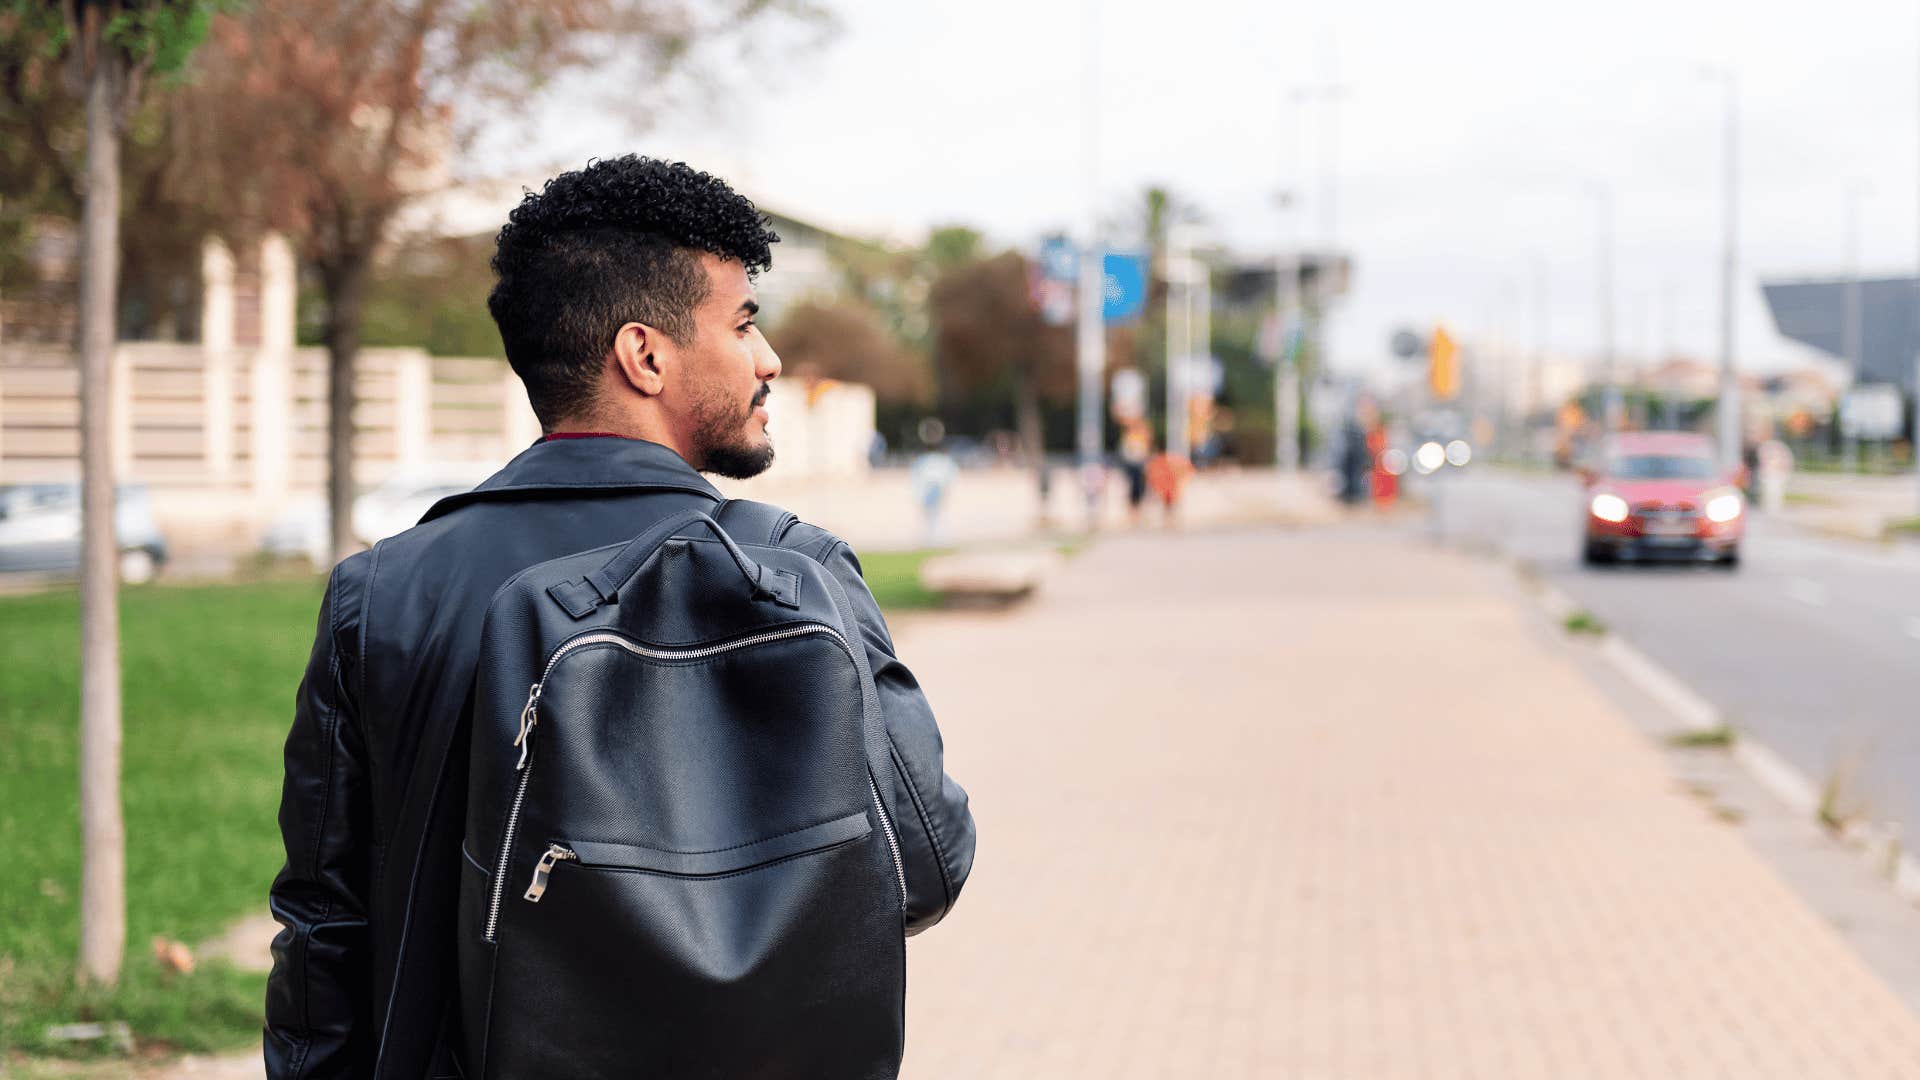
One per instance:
(1167, 475)
(1386, 478)
(1775, 461)
(1354, 462)
(932, 474)
(1136, 446)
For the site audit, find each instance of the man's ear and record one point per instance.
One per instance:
(637, 356)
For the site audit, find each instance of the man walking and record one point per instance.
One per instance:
(625, 302)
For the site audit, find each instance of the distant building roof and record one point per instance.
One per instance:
(1813, 312)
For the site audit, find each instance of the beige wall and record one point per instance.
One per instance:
(227, 433)
(250, 423)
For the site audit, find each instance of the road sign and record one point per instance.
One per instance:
(1055, 278)
(1407, 344)
(1059, 260)
(1443, 365)
(1125, 286)
(1872, 412)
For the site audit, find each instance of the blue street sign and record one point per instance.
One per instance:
(1125, 287)
(1059, 261)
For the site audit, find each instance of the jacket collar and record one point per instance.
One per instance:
(582, 465)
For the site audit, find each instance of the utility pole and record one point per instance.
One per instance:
(1179, 340)
(1536, 389)
(1287, 301)
(1728, 408)
(1286, 368)
(1090, 336)
(1196, 301)
(1200, 345)
(1290, 297)
(1851, 323)
(1611, 402)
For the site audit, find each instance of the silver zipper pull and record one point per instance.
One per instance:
(529, 716)
(554, 854)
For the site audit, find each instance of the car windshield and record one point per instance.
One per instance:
(1661, 467)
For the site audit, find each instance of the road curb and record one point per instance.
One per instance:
(1877, 843)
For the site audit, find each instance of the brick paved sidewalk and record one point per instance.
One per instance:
(1327, 804)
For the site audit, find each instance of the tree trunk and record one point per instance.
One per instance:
(103, 898)
(346, 286)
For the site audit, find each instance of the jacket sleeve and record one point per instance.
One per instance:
(320, 995)
(929, 809)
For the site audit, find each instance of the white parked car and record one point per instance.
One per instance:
(395, 506)
(40, 530)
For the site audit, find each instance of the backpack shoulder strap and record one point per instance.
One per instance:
(750, 522)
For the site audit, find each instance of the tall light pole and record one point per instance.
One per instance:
(1536, 390)
(1288, 259)
(1090, 336)
(1603, 221)
(1851, 322)
(1286, 366)
(1180, 275)
(1729, 405)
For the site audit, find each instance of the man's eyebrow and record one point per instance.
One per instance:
(750, 307)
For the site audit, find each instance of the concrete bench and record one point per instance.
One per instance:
(987, 578)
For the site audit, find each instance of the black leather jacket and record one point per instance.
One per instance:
(363, 981)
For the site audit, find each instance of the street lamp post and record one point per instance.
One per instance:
(1729, 406)
(1536, 391)
(1179, 339)
(1610, 402)
(1090, 337)
(1851, 322)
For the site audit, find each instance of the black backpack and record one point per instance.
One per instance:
(678, 862)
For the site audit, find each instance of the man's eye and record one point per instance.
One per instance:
(746, 326)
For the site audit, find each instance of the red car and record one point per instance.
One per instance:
(1663, 495)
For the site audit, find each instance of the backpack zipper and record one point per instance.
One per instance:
(555, 853)
(530, 719)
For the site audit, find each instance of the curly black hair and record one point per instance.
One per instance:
(603, 246)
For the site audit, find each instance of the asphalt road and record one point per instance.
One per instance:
(1812, 646)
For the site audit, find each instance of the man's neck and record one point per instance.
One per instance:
(588, 427)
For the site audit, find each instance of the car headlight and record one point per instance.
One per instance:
(1609, 508)
(1723, 506)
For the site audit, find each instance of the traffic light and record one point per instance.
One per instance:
(1443, 365)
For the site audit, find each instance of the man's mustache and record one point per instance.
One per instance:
(760, 397)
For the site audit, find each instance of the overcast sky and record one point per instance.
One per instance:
(1470, 138)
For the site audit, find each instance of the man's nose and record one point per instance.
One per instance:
(766, 362)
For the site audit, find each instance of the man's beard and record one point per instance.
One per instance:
(726, 447)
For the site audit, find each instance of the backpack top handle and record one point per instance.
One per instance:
(580, 597)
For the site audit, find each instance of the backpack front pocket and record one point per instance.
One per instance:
(596, 855)
(664, 953)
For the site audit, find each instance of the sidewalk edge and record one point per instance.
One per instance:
(1877, 843)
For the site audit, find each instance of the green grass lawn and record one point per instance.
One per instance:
(209, 682)
(209, 675)
(894, 577)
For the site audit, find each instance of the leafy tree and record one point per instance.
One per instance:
(43, 170)
(106, 50)
(950, 246)
(845, 340)
(987, 332)
(322, 120)
(433, 294)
